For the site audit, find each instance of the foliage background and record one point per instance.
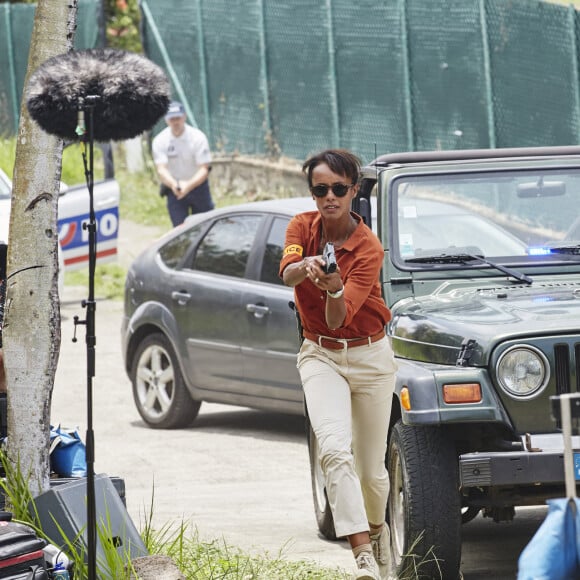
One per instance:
(122, 22)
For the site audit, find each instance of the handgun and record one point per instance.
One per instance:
(330, 264)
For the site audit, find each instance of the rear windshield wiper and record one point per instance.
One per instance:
(462, 258)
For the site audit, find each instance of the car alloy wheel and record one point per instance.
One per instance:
(159, 391)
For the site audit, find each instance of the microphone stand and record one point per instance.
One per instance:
(89, 322)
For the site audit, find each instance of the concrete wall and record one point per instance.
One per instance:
(257, 178)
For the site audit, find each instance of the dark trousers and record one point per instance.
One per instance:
(196, 201)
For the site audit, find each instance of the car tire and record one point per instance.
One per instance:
(322, 512)
(424, 507)
(159, 391)
(469, 513)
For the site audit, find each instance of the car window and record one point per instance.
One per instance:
(174, 251)
(226, 246)
(273, 252)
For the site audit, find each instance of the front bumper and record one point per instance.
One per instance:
(541, 462)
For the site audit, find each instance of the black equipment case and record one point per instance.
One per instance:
(21, 554)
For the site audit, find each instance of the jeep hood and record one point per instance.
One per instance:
(432, 328)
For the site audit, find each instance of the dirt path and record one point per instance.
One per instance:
(236, 474)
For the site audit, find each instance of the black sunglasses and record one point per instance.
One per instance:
(339, 189)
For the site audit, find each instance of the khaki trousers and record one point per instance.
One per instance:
(348, 396)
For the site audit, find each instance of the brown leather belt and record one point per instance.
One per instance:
(342, 343)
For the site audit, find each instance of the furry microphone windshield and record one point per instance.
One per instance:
(128, 93)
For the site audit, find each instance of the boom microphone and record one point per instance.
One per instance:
(126, 93)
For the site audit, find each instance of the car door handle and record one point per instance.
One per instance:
(258, 310)
(182, 298)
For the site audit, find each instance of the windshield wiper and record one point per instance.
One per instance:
(462, 258)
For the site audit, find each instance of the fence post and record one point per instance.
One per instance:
(264, 82)
(203, 71)
(574, 72)
(12, 72)
(332, 77)
(487, 76)
(407, 77)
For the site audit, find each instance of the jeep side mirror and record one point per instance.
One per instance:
(361, 204)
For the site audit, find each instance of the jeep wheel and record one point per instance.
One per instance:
(424, 508)
(159, 392)
(322, 511)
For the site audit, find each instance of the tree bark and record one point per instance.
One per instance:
(31, 332)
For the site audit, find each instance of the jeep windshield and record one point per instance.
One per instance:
(518, 217)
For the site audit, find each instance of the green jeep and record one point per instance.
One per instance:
(482, 275)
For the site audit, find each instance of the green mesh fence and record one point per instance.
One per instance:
(16, 21)
(290, 78)
(535, 73)
(371, 77)
(299, 76)
(235, 98)
(446, 60)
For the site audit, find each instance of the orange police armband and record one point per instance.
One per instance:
(293, 249)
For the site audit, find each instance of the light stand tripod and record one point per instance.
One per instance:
(87, 106)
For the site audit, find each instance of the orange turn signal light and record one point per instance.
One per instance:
(464, 393)
(405, 399)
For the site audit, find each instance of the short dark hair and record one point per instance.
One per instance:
(340, 161)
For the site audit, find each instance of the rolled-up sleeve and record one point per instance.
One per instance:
(293, 244)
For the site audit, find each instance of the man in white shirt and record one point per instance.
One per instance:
(182, 158)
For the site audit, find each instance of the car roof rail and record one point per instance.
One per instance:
(471, 154)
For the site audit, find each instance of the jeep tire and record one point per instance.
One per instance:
(424, 508)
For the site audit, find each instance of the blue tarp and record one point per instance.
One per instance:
(553, 552)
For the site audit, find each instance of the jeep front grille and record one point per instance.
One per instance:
(566, 379)
(577, 357)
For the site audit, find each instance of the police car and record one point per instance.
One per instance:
(73, 212)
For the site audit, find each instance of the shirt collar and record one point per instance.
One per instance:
(353, 240)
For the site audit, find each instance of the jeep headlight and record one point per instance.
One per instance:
(522, 371)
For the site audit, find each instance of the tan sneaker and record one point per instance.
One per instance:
(381, 544)
(367, 568)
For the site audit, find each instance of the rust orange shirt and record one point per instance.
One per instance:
(360, 259)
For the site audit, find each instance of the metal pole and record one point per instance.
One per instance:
(489, 107)
(335, 139)
(408, 93)
(90, 338)
(102, 23)
(11, 68)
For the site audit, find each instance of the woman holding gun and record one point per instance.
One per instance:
(346, 363)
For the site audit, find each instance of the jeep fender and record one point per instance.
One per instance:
(425, 385)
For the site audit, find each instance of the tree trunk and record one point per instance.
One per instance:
(31, 333)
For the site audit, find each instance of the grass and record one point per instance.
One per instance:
(109, 280)
(197, 558)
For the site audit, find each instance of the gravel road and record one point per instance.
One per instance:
(236, 474)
